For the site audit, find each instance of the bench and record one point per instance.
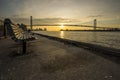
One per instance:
(18, 34)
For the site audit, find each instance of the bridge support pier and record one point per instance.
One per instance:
(31, 22)
(95, 24)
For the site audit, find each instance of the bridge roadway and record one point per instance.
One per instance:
(51, 60)
(88, 26)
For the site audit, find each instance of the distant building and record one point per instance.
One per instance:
(61, 29)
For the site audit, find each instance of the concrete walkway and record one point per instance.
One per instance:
(51, 60)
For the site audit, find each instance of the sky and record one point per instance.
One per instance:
(61, 11)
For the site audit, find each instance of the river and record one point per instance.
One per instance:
(107, 39)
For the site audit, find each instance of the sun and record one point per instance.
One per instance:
(62, 26)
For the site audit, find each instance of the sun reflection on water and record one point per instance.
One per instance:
(61, 34)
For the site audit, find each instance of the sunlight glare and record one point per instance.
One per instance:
(62, 26)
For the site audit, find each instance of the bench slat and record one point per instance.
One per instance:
(17, 33)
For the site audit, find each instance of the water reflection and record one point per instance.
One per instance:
(61, 34)
(94, 37)
(107, 39)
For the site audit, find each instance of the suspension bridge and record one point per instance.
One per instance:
(94, 25)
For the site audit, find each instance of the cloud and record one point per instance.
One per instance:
(15, 16)
(55, 21)
(95, 16)
(45, 21)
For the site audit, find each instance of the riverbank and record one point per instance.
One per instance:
(52, 60)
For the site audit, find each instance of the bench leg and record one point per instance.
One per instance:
(24, 47)
(4, 32)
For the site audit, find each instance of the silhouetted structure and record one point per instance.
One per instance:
(45, 29)
(95, 24)
(31, 22)
(6, 21)
(1, 28)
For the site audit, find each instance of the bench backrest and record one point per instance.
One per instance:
(23, 27)
(17, 33)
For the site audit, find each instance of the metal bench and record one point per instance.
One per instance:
(18, 34)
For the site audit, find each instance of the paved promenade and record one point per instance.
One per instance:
(51, 60)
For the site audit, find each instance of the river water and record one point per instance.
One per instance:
(107, 39)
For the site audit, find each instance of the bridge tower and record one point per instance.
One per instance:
(95, 24)
(31, 23)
